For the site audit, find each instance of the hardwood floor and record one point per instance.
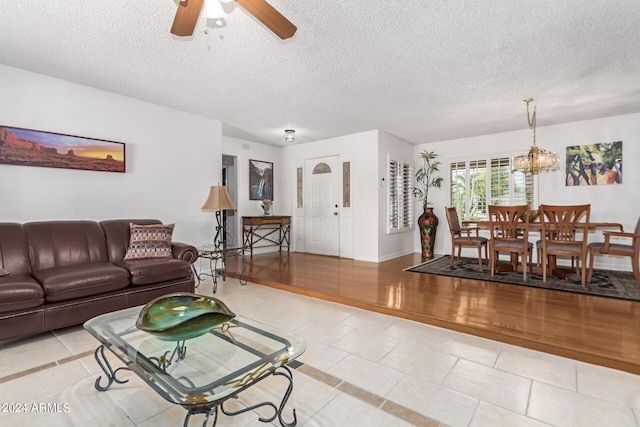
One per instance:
(597, 330)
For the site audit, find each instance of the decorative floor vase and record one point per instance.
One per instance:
(428, 224)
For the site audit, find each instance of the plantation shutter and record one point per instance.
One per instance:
(400, 202)
(500, 170)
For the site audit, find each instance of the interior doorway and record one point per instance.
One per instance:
(230, 180)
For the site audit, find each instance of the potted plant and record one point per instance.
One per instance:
(426, 179)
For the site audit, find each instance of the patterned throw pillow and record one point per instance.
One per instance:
(149, 241)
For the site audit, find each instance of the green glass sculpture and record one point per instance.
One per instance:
(182, 315)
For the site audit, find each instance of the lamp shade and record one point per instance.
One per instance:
(218, 200)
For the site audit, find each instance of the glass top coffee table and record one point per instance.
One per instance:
(203, 372)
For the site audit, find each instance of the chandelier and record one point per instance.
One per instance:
(537, 159)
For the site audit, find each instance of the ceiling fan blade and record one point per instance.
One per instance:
(270, 17)
(186, 17)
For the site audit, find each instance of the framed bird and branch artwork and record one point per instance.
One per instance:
(594, 164)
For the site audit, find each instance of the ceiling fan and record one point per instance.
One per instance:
(189, 11)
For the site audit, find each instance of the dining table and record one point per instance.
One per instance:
(485, 224)
(536, 226)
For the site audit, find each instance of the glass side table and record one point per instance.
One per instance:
(218, 265)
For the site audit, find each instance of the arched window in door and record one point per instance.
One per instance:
(321, 168)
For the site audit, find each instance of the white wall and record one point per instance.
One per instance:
(363, 151)
(172, 157)
(248, 150)
(395, 244)
(610, 203)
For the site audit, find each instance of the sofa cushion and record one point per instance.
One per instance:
(14, 251)
(150, 241)
(146, 271)
(65, 243)
(19, 292)
(77, 281)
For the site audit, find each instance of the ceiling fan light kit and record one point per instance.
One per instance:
(213, 9)
(188, 12)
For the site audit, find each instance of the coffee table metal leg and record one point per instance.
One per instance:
(195, 272)
(281, 371)
(107, 369)
(286, 372)
(179, 353)
(207, 413)
(213, 267)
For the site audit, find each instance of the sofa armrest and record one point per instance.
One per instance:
(184, 252)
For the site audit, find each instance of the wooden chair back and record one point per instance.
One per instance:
(462, 236)
(509, 227)
(454, 222)
(560, 224)
(506, 222)
(565, 231)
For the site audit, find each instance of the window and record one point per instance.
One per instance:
(477, 189)
(477, 183)
(400, 198)
(500, 182)
(510, 188)
(346, 184)
(299, 187)
(458, 179)
(321, 168)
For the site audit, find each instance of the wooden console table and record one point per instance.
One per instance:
(270, 230)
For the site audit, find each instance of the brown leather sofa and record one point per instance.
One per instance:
(62, 273)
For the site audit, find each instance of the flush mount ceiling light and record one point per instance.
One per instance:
(289, 135)
(537, 159)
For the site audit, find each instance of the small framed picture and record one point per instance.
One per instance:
(260, 180)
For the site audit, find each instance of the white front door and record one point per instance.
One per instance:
(322, 231)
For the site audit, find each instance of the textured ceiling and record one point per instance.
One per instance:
(422, 70)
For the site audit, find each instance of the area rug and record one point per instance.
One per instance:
(604, 283)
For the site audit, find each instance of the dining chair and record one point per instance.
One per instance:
(510, 233)
(565, 233)
(462, 236)
(607, 248)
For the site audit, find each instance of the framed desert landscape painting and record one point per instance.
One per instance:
(47, 149)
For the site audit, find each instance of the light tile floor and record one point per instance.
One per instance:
(360, 369)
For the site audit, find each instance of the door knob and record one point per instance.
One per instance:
(335, 213)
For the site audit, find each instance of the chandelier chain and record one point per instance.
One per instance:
(531, 119)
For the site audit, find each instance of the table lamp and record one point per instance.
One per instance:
(217, 202)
